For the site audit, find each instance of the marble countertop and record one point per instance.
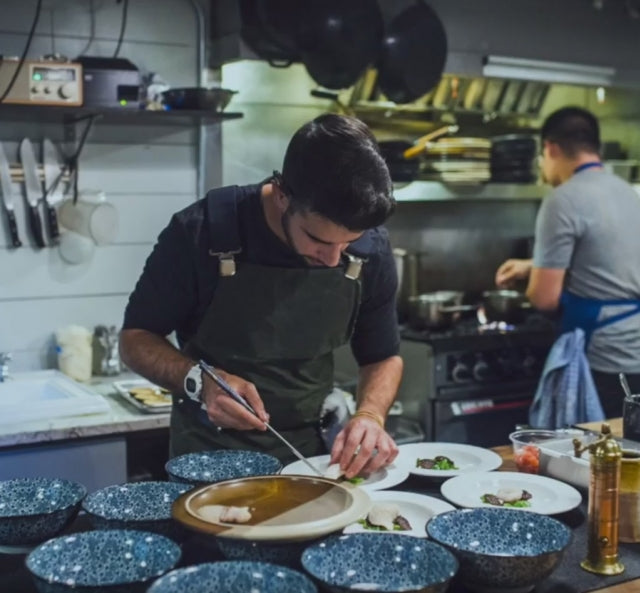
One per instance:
(122, 417)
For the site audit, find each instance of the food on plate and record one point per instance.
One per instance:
(385, 517)
(508, 497)
(333, 472)
(438, 462)
(151, 396)
(218, 513)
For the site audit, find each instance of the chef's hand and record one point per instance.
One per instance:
(512, 270)
(362, 447)
(225, 412)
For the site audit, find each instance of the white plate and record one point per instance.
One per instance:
(466, 458)
(383, 478)
(415, 508)
(123, 388)
(548, 496)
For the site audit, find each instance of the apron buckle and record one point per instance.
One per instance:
(226, 261)
(354, 267)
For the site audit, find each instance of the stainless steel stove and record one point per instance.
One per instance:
(473, 383)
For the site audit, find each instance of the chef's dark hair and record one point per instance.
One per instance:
(574, 130)
(333, 167)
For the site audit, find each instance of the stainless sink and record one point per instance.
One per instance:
(42, 395)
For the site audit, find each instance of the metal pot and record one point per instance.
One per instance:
(436, 310)
(407, 269)
(504, 305)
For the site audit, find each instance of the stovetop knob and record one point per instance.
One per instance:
(461, 372)
(481, 370)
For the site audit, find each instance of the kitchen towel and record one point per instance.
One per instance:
(566, 394)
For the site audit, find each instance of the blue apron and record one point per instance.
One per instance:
(584, 313)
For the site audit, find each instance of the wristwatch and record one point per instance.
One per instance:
(193, 383)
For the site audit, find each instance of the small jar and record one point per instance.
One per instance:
(629, 530)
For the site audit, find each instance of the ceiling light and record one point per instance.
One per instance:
(563, 72)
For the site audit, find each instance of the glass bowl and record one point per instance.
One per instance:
(526, 453)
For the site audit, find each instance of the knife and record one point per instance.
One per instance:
(33, 189)
(53, 170)
(7, 198)
(209, 370)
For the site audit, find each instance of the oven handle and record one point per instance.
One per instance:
(458, 408)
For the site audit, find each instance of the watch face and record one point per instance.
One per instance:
(190, 385)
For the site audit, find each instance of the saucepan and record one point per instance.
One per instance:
(196, 98)
(436, 310)
(504, 305)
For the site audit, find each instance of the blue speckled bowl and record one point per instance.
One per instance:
(96, 561)
(501, 549)
(380, 562)
(208, 467)
(281, 553)
(234, 577)
(145, 506)
(32, 510)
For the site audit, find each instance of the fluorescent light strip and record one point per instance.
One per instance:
(564, 72)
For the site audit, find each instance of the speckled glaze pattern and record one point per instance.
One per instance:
(208, 467)
(380, 562)
(94, 560)
(285, 554)
(33, 510)
(145, 506)
(501, 549)
(234, 577)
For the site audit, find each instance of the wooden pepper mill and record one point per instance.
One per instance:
(603, 511)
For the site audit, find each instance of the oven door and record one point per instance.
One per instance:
(484, 422)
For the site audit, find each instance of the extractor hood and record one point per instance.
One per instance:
(546, 71)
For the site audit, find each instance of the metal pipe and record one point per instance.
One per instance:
(202, 129)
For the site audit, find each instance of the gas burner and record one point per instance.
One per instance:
(501, 327)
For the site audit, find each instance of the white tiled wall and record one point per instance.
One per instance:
(147, 172)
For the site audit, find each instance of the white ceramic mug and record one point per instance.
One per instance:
(92, 216)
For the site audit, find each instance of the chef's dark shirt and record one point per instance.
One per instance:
(180, 277)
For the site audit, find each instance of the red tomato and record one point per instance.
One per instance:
(528, 459)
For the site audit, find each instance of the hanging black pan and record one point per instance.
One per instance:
(413, 54)
(269, 27)
(338, 39)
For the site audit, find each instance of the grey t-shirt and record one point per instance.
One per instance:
(590, 226)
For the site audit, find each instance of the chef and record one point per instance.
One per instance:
(264, 282)
(586, 258)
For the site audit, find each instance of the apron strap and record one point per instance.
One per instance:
(619, 316)
(224, 230)
(583, 313)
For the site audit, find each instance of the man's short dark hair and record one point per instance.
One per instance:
(574, 130)
(333, 167)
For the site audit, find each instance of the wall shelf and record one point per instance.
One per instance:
(435, 191)
(113, 115)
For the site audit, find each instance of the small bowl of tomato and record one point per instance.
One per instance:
(526, 452)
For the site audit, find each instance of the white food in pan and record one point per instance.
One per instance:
(218, 513)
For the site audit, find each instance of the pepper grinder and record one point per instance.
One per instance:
(604, 484)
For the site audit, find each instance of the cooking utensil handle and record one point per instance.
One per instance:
(323, 94)
(458, 308)
(625, 385)
(36, 226)
(237, 397)
(13, 229)
(52, 224)
(421, 142)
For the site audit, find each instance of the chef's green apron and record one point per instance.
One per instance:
(278, 328)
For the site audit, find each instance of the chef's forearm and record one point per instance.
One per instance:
(378, 385)
(155, 358)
